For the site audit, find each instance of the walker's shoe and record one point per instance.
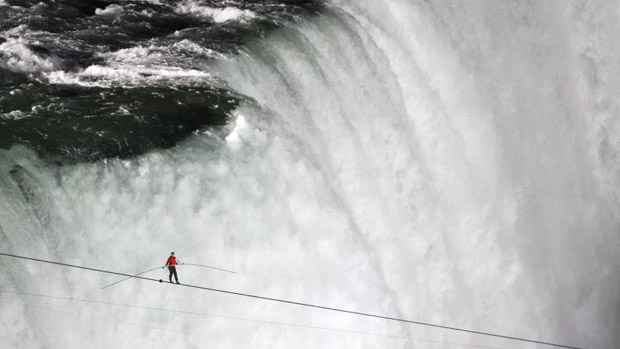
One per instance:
(178, 283)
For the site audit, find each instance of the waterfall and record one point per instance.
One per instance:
(454, 163)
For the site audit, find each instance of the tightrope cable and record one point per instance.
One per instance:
(157, 267)
(308, 305)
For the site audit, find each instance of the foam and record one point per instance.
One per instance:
(16, 56)
(132, 66)
(192, 47)
(138, 55)
(105, 76)
(110, 10)
(14, 115)
(217, 14)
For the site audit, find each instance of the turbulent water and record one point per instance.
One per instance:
(449, 162)
(86, 80)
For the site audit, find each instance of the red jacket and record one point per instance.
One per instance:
(172, 261)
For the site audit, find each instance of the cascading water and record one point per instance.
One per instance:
(452, 163)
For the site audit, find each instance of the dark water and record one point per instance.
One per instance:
(86, 80)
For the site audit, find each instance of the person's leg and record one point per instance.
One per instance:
(171, 270)
(176, 277)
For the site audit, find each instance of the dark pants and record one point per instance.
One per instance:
(173, 271)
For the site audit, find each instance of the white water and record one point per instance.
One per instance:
(457, 165)
(111, 10)
(218, 15)
(140, 66)
(16, 56)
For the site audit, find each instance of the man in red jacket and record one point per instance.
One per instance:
(171, 263)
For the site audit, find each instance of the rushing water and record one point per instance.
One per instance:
(455, 163)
